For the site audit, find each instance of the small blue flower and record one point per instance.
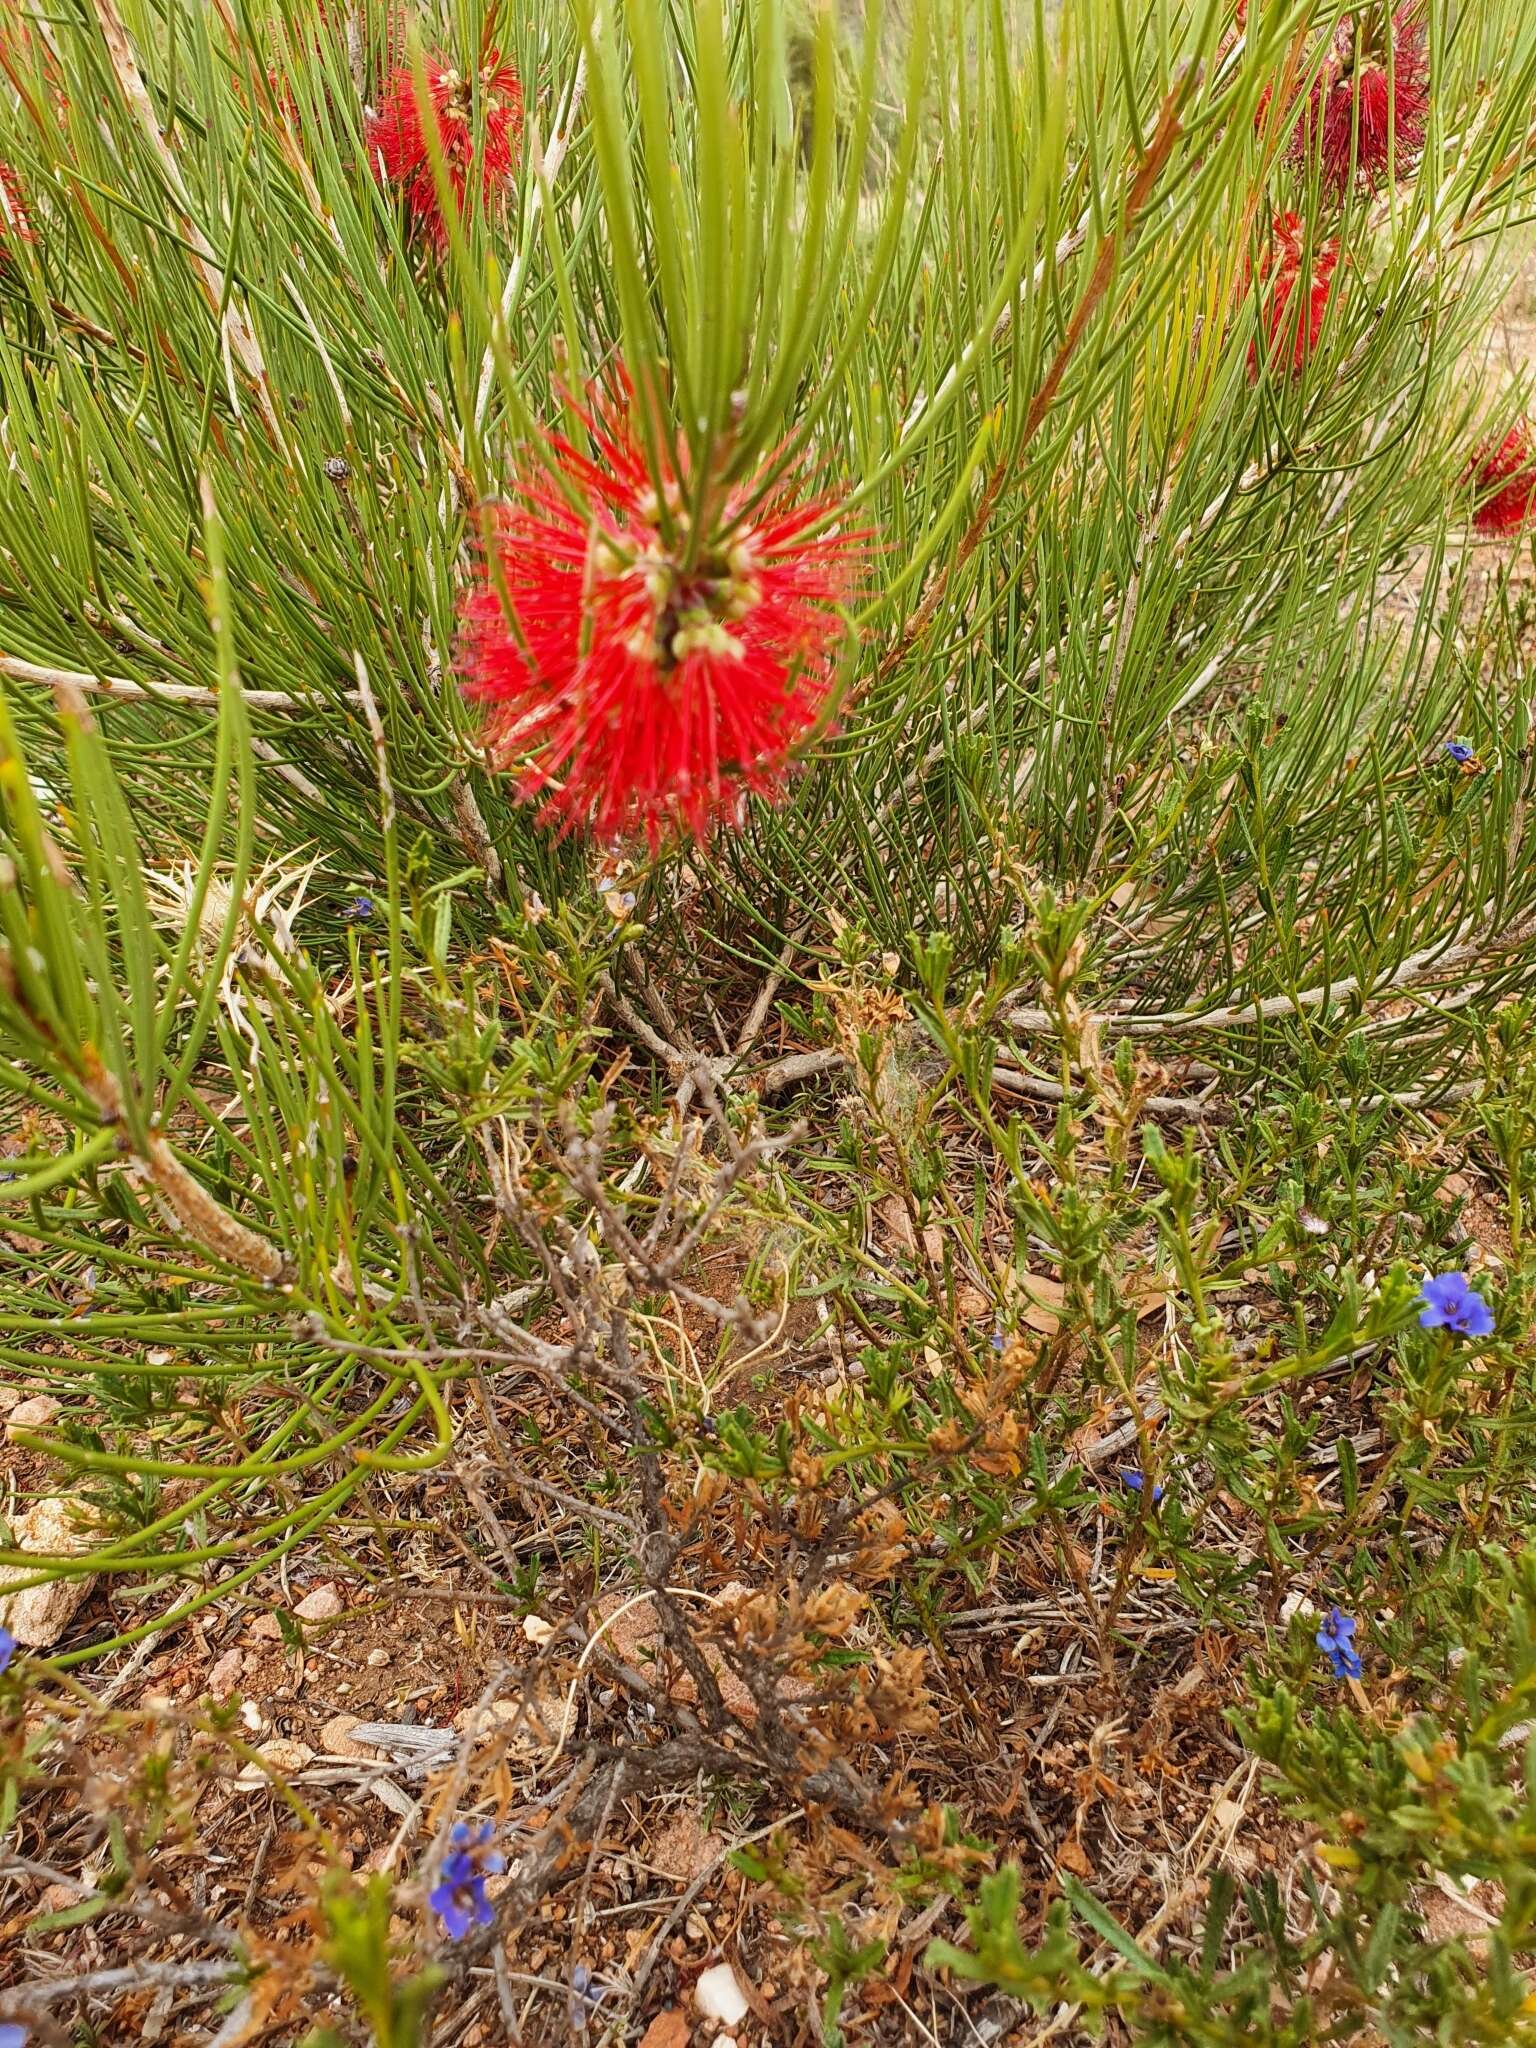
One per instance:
(1452, 1303)
(12, 2035)
(360, 909)
(997, 1340)
(1460, 751)
(1336, 1640)
(587, 1994)
(1135, 1480)
(7, 1652)
(458, 1899)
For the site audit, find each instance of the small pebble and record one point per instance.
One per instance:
(37, 1413)
(282, 1755)
(323, 1604)
(225, 1675)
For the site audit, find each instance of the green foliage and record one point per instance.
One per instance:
(357, 1948)
(845, 1962)
(1041, 1976)
(1395, 1806)
(1162, 959)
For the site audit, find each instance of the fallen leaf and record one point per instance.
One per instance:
(669, 2029)
(1072, 1856)
(893, 1214)
(1151, 1294)
(1043, 1298)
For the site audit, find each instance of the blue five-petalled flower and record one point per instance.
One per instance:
(1451, 1302)
(1460, 751)
(587, 1994)
(12, 2035)
(7, 1652)
(1135, 1480)
(1336, 1640)
(458, 1899)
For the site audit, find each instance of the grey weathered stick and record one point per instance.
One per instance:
(154, 693)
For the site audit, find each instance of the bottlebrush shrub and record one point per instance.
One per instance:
(653, 650)
(1130, 915)
(1367, 114)
(1296, 280)
(478, 156)
(1503, 480)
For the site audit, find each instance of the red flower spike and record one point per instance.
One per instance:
(397, 144)
(1504, 478)
(637, 690)
(1365, 117)
(15, 220)
(1295, 307)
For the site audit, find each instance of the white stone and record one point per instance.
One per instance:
(38, 1615)
(719, 1997)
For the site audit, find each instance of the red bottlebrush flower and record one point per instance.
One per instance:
(397, 144)
(638, 687)
(14, 217)
(1365, 116)
(1504, 478)
(1294, 306)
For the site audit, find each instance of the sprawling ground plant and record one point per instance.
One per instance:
(764, 781)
